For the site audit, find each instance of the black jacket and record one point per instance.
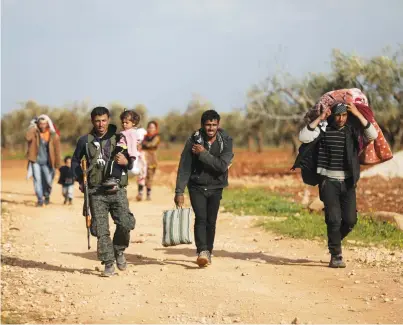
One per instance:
(209, 169)
(66, 176)
(308, 157)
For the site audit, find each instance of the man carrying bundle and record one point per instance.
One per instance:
(338, 169)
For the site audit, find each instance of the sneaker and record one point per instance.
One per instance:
(121, 261)
(336, 261)
(39, 204)
(139, 197)
(148, 197)
(203, 258)
(70, 201)
(109, 270)
(209, 258)
(47, 200)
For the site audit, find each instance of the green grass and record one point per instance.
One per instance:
(300, 223)
(257, 202)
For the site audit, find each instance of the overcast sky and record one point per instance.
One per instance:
(160, 52)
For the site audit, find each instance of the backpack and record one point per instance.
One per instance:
(307, 160)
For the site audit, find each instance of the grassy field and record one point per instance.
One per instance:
(299, 222)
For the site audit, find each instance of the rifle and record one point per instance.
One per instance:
(86, 207)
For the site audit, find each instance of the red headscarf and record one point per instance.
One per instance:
(150, 135)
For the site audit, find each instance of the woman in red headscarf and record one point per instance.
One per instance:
(150, 146)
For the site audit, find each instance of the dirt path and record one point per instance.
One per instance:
(48, 276)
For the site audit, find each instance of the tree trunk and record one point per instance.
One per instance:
(250, 142)
(295, 145)
(259, 141)
(3, 136)
(397, 140)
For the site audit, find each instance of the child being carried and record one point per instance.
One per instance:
(127, 145)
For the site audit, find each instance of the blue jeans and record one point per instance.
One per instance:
(43, 178)
(67, 191)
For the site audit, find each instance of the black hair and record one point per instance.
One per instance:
(132, 115)
(67, 158)
(98, 111)
(209, 116)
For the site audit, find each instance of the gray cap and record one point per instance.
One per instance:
(339, 108)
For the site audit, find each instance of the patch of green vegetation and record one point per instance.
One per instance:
(257, 201)
(299, 222)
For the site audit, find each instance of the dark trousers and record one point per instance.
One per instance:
(205, 204)
(118, 206)
(340, 211)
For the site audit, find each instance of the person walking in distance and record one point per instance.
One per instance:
(338, 169)
(203, 168)
(150, 145)
(43, 156)
(97, 148)
(66, 180)
(140, 166)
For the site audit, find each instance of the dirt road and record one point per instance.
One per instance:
(48, 276)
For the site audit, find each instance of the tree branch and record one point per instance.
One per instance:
(292, 96)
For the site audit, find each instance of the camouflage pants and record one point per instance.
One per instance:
(117, 205)
(150, 176)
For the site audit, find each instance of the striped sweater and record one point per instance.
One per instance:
(332, 160)
(307, 135)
